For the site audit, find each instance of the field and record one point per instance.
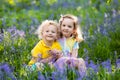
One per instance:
(100, 24)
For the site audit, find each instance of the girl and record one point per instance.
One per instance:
(48, 32)
(70, 34)
(69, 40)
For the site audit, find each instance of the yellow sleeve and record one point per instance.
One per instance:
(58, 46)
(36, 50)
(32, 61)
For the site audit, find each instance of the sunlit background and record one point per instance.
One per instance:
(100, 24)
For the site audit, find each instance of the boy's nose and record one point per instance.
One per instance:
(50, 33)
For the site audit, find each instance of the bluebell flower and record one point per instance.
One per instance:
(116, 2)
(51, 16)
(118, 63)
(103, 30)
(7, 70)
(93, 66)
(107, 64)
(15, 33)
(40, 76)
(85, 50)
(65, 5)
(57, 75)
(86, 61)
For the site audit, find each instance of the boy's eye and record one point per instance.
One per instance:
(47, 31)
(63, 25)
(53, 31)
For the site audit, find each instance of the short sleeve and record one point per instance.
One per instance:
(76, 45)
(57, 46)
(36, 50)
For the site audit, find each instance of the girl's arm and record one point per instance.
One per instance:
(74, 52)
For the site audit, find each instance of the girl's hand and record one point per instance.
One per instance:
(56, 53)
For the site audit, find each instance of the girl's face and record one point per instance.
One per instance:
(49, 33)
(67, 27)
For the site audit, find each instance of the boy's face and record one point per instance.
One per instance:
(67, 27)
(49, 33)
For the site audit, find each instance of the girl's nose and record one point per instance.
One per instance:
(65, 27)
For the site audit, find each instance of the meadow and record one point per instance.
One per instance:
(100, 24)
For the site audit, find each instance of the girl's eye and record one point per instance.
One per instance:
(47, 31)
(70, 26)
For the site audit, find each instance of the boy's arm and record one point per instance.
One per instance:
(54, 54)
(32, 61)
(46, 60)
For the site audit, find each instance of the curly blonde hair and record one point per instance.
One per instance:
(46, 23)
(77, 34)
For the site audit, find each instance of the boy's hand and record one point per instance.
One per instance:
(56, 53)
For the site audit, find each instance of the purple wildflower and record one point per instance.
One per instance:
(51, 16)
(116, 2)
(1, 37)
(21, 33)
(103, 30)
(86, 61)
(12, 30)
(85, 50)
(59, 76)
(15, 33)
(114, 12)
(118, 63)
(7, 70)
(65, 4)
(107, 65)
(40, 76)
(93, 66)
(79, 78)
(80, 74)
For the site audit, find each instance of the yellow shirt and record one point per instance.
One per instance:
(42, 49)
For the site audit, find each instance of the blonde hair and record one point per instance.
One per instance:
(46, 23)
(77, 34)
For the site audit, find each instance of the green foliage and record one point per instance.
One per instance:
(115, 40)
(99, 20)
(100, 50)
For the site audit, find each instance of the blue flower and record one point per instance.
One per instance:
(59, 76)
(40, 76)
(118, 63)
(93, 66)
(107, 65)
(7, 71)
